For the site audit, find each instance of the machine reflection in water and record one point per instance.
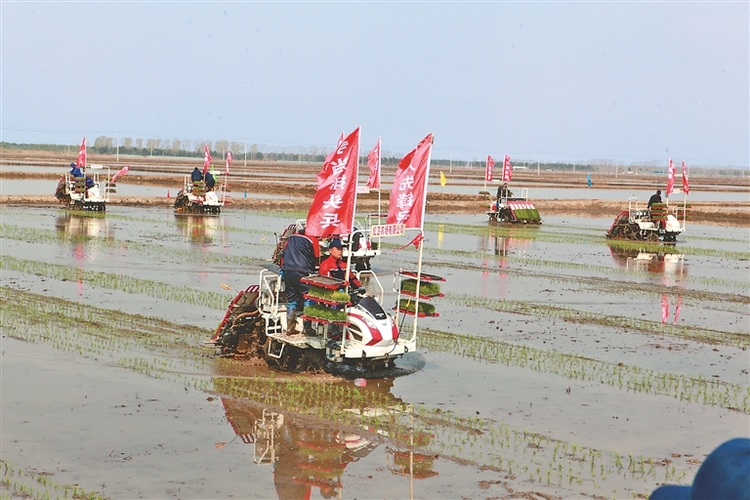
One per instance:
(308, 453)
(201, 230)
(665, 261)
(70, 225)
(76, 228)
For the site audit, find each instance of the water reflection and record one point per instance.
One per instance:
(77, 228)
(504, 244)
(666, 261)
(200, 229)
(309, 448)
(71, 225)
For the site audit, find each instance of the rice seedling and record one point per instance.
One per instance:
(737, 339)
(120, 282)
(20, 483)
(699, 389)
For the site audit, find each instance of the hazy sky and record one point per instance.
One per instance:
(556, 81)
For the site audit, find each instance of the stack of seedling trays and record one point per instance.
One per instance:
(329, 301)
(682, 212)
(111, 187)
(428, 290)
(79, 185)
(659, 212)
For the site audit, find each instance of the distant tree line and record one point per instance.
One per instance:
(256, 152)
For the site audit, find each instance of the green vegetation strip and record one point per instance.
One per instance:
(575, 239)
(21, 483)
(590, 273)
(165, 254)
(119, 282)
(736, 339)
(701, 390)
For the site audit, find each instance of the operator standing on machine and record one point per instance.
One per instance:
(299, 260)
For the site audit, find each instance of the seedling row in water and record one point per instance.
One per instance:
(631, 378)
(736, 339)
(21, 483)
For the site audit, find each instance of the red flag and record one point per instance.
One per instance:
(507, 169)
(685, 184)
(332, 209)
(229, 161)
(409, 191)
(206, 159)
(82, 157)
(325, 172)
(124, 170)
(488, 170)
(373, 161)
(670, 178)
(664, 308)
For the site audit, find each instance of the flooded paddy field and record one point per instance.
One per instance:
(561, 365)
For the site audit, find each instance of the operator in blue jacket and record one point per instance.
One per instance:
(300, 258)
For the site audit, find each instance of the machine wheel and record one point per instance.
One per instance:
(290, 356)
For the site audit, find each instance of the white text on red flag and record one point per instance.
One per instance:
(488, 170)
(409, 191)
(332, 208)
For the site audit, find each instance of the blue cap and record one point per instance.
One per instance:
(335, 243)
(724, 474)
(72, 164)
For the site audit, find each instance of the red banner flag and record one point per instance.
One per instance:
(507, 169)
(685, 183)
(670, 178)
(488, 170)
(120, 173)
(82, 157)
(229, 161)
(325, 172)
(373, 161)
(332, 209)
(206, 159)
(409, 191)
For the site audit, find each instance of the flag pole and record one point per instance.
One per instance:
(354, 210)
(421, 241)
(380, 166)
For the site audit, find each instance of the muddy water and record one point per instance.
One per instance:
(559, 364)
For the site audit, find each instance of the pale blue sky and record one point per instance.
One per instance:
(556, 81)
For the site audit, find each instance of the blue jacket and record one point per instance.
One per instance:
(301, 254)
(196, 176)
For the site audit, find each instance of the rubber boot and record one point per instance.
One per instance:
(291, 321)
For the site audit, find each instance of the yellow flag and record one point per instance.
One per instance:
(442, 178)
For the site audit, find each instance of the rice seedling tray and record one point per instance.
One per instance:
(420, 315)
(327, 302)
(421, 295)
(323, 320)
(423, 276)
(324, 282)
